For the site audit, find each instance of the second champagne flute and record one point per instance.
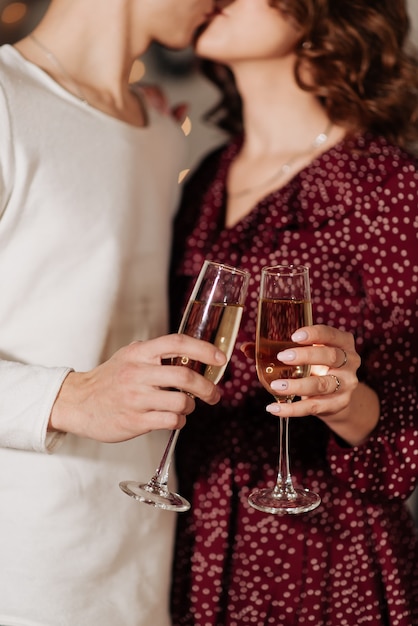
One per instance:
(213, 313)
(284, 306)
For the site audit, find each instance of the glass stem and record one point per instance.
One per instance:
(160, 478)
(284, 483)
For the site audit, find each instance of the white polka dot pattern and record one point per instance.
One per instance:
(352, 217)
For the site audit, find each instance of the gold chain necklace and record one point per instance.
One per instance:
(286, 167)
(51, 57)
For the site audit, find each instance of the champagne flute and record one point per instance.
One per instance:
(284, 306)
(213, 313)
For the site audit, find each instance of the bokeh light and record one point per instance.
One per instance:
(14, 12)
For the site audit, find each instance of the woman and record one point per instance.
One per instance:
(320, 100)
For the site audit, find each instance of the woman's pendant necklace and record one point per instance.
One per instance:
(286, 167)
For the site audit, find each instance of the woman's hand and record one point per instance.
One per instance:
(332, 392)
(133, 393)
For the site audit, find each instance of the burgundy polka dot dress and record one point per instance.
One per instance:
(352, 217)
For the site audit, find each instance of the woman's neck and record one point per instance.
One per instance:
(278, 116)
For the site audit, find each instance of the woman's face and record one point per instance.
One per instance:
(247, 30)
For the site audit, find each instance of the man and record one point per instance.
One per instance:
(88, 186)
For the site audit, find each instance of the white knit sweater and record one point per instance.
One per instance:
(85, 221)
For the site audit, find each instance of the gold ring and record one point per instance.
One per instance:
(337, 367)
(337, 383)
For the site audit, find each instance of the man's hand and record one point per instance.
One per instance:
(133, 393)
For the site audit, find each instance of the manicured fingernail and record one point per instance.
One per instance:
(279, 385)
(273, 408)
(287, 355)
(220, 356)
(300, 335)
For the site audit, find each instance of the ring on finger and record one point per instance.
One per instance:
(344, 361)
(337, 383)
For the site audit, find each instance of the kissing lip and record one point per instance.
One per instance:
(208, 18)
(216, 11)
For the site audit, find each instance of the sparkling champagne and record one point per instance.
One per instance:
(216, 323)
(277, 321)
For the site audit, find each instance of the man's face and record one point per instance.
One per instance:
(175, 21)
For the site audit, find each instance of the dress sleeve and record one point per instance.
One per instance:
(387, 464)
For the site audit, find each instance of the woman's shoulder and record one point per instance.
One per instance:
(371, 152)
(367, 164)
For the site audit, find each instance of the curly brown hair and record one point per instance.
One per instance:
(362, 67)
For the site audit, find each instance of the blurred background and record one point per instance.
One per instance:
(175, 70)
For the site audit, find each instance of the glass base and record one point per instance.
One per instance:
(281, 503)
(155, 495)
